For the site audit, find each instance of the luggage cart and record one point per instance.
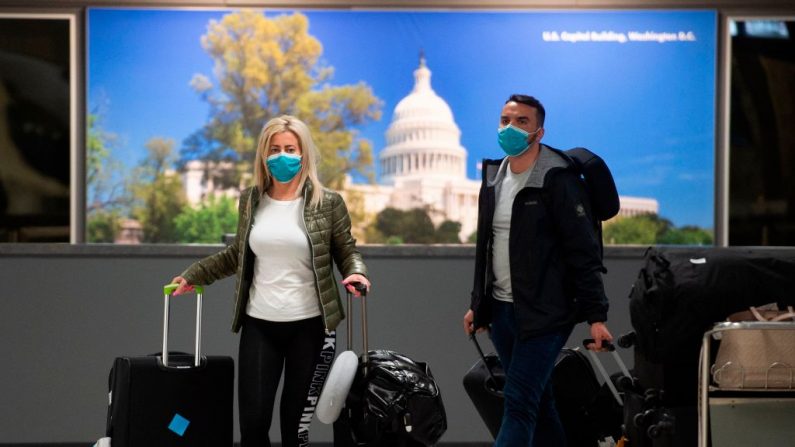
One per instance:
(742, 405)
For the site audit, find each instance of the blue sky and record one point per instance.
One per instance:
(648, 108)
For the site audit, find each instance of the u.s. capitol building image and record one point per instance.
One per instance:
(424, 165)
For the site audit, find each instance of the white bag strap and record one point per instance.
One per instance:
(757, 315)
(789, 315)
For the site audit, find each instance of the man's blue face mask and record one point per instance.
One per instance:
(513, 140)
(284, 166)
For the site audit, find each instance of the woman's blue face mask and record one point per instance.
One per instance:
(513, 140)
(284, 166)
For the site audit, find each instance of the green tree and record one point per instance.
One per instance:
(447, 233)
(160, 156)
(107, 198)
(413, 226)
(330, 113)
(266, 67)
(372, 235)
(163, 200)
(97, 150)
(649, 229)
(418, 227)
(102, 226)
(354, 200)
(394, 240)
(208, 222)
(159, 192)
(389, 222)
(639, 230)
(687, 235)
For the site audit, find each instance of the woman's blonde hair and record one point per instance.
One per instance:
(309, 154)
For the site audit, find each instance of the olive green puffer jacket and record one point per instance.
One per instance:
(328, 228)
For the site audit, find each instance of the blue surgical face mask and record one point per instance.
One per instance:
(284, 166)
(513, 140)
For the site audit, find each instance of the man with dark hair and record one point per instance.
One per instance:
(541, 113)
(538, 270)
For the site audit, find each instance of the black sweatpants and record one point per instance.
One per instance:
(301, 349)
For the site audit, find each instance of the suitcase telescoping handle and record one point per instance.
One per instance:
(612, 349)
(168, 290)
(362, 289)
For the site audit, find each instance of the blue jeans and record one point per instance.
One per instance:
(530, 417)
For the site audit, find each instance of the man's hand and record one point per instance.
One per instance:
(469, 318)
(599, 332)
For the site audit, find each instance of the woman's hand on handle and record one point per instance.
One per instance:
(184, 287)
(349, 281)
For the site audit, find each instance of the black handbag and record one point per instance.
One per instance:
(394, 397)
(393, 401)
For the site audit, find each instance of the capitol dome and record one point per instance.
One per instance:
(423, 138)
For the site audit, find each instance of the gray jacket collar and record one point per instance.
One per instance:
(547, 160)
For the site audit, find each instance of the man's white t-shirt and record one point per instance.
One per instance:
(283, 287)
(506, 192)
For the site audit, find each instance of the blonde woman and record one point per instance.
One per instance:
(287, 304)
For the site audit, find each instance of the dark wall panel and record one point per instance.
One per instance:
(64, 318)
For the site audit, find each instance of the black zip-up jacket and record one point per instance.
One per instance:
(555, 256)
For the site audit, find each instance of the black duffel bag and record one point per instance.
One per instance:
(680, 293)
(394, 398)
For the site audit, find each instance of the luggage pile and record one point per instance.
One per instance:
(382, 398)
(679, 295)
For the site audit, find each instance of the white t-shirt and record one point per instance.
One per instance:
(501, 227)
(283, 288)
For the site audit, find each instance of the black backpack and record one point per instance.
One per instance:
(599, 184)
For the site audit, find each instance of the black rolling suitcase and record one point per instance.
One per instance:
(171, 400)
(394, 401)
(591, 413)
(588, 411)
(575, 387)
(484, 384)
